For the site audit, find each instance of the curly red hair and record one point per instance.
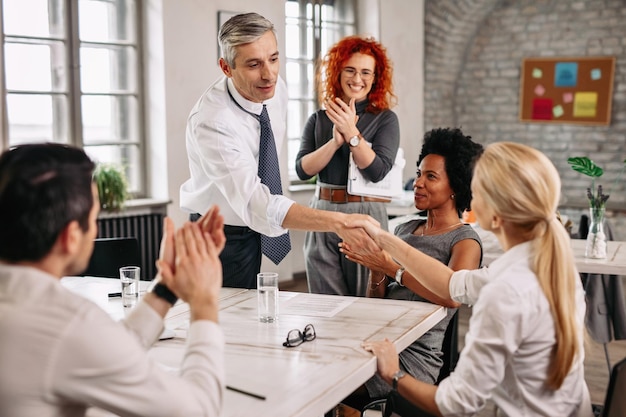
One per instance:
(381, 96)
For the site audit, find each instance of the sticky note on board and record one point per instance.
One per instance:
(596, 74)
(537, 73)
(585, 104)
(542, 109)
(566, 74)
(539, 90)
(568, 97)
(557, 111)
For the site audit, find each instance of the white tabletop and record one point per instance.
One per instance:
(98, 290)
(614, 264)
(307, 380)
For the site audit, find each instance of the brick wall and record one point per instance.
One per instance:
(473, 55)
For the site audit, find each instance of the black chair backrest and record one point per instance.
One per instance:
(450, 348)
(112, 253)
(615, 401)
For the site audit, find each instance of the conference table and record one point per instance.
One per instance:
(263, 377)
(613, 264)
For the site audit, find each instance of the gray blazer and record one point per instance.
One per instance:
(606, 312)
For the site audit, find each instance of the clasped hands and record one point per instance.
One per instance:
(344, 119)
(361, 243)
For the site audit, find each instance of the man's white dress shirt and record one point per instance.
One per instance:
(223, 151)
(60, 353)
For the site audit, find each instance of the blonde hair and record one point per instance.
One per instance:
(523, 187)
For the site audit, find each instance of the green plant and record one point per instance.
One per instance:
(112, 186)
(584, 165)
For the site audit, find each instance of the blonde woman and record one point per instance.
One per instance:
(524, 346)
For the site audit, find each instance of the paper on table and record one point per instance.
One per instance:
(315, 305)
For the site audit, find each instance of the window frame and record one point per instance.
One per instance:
(74, 117)
(318, 26)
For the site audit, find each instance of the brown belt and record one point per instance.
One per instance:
(339, 195)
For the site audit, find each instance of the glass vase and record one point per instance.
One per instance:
(596, 239)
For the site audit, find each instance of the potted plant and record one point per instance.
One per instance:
(112, 186)
(596, 239)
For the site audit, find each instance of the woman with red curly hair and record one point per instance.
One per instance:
(355, 84)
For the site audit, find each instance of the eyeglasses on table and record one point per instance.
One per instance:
(295, 337)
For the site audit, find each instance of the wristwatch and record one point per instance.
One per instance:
(354, 140)
(398, 276)
(161, 291)
(396, 377)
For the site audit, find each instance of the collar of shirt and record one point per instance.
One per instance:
(246, 104)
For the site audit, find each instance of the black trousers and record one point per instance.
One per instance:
(241, 257)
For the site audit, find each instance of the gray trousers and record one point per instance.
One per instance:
(327, 269)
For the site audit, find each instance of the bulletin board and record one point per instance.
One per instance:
(567, 90)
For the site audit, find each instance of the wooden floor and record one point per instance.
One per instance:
(596, 369)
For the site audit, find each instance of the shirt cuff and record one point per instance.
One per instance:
(278, 208)
(205, 331)
(145, 322)
(456, 286)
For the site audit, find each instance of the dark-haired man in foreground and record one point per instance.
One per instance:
(59, 352)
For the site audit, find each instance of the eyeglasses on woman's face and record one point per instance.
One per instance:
(366, 75)
(296, 337)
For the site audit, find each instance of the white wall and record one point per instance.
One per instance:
(402, 23)
(181, 62)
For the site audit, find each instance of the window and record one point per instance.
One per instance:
(312, 27)
(71, 75)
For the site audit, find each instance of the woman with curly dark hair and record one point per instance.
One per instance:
(355, 86)
(442, 189)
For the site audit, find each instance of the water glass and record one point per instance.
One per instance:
(129, 277)
(267, 296)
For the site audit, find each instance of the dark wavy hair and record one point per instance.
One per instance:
(381, 96)
(460, 154)
(43, 187)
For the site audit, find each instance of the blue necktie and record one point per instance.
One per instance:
(275, 248)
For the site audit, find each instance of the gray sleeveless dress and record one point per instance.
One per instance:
(423, 358)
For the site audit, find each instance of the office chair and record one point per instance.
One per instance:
(394, 405)
(450, 348)
(615, 401)
(112, 253)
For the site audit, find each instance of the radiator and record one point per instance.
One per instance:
(146, 228)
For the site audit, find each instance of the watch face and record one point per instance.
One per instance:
(396, 377)
(354, 141)
(399, 374)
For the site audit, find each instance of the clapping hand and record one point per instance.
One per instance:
(343, 116)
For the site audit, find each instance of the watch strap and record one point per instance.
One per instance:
(396, 377)
(161, 291)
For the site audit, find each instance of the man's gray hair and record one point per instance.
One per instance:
(239, 30)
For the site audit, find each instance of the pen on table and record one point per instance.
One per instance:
(260, 397)
(115, 294)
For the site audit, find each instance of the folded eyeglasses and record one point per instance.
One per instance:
(296, 337)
